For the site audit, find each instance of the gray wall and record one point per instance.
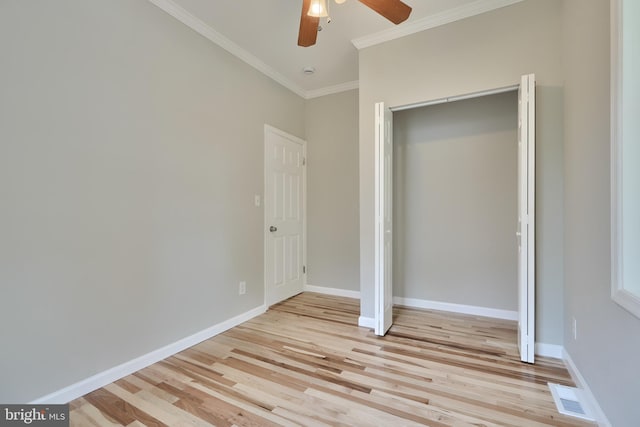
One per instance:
(130, 152)
(608, 341)
(483, 52)
(455, 202)
(332, 184)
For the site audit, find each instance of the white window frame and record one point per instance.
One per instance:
(619, 293)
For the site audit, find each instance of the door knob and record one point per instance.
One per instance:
(273, 229)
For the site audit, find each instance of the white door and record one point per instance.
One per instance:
(384, 219)
(526, 217)
(284, 207)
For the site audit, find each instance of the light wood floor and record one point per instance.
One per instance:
(305, 362)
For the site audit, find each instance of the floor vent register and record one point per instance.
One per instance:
(571, 401)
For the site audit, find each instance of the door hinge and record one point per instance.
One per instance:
(304, 161)
(304, 269)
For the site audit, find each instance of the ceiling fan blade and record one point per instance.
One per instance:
(308, 26)
(394, 10)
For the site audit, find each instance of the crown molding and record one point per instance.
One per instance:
(206, 31)
(330, 90)
(446, 17)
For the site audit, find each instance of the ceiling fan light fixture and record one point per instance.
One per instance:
(318, 9)
(340, 1)
(395, 11)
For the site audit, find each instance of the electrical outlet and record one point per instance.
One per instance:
(242, 288)
(574, 326)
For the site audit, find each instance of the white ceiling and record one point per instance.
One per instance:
(264, 33)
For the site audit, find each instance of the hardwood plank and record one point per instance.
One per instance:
(165, 413)
(89, 415)
(118, 409)
(306, 362)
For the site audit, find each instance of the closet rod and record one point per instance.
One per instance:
(455, 98)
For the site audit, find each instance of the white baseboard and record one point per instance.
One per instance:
(332, 291)
(367, 322)
(549, 350)
(101, 379)
(582, 384)
(457, 308)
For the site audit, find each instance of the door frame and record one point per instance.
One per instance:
(531, 180)
(265, 223)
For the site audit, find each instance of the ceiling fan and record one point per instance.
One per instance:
(312, 10)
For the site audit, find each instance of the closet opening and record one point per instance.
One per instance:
(460, 181)
(455, 205)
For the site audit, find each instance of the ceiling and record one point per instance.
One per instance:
(264, 33)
